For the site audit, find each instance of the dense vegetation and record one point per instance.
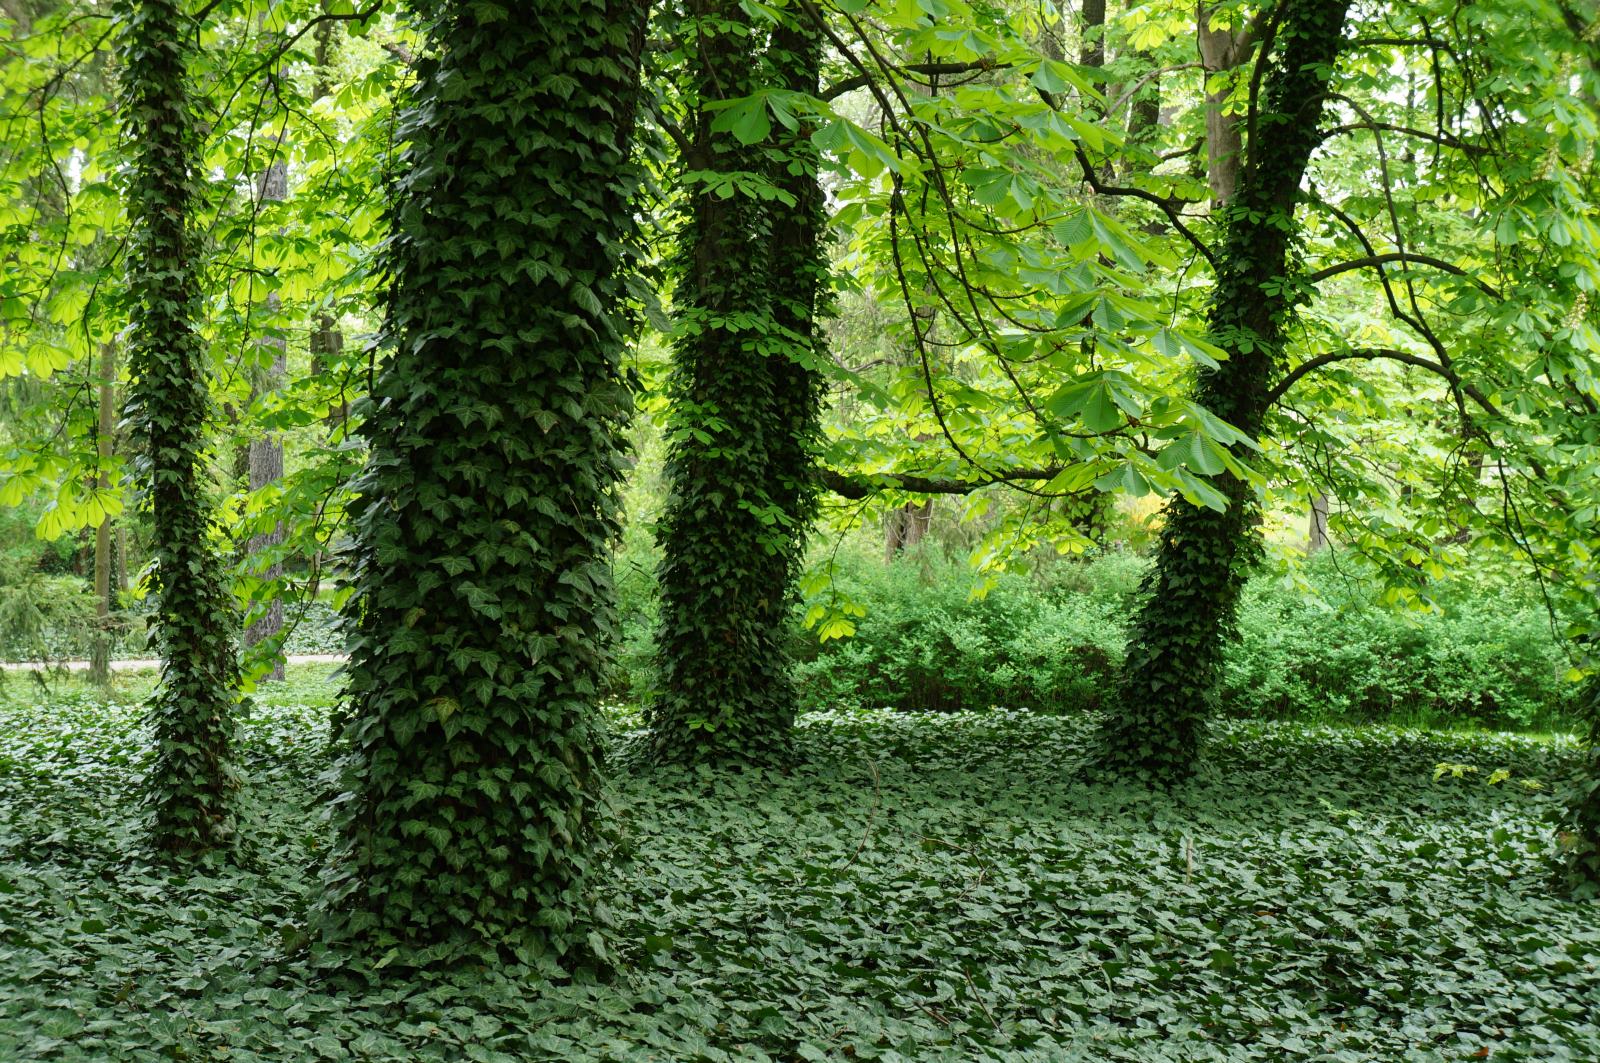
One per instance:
(854, 528)
(928, 887)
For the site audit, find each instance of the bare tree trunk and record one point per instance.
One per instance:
(1093, 42)
(1317, 536)
(1221, 52)
(327, 341)
(100, 652)
(265, 457)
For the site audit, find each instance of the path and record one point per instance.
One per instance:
(136, 665)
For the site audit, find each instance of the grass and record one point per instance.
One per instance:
(921, 888)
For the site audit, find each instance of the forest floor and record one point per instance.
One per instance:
(917, 888)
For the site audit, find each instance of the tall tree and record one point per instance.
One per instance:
(1170, 678)
(746, 395)
(264, 452)
(105, 429)
(482, 606)
(188, 784)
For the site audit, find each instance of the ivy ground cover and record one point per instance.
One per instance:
(918, 887)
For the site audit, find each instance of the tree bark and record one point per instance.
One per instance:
(1222, 51)
(1317, 526)
(264, 459)
(100, 652)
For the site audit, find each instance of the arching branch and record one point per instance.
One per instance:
(1092, 178)
(1445, 372)
(1442, 139)
(1403, 256)
(861, 81)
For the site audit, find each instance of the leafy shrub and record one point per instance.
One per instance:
(42, 616)
(1053, 641)
(927, 642)
(1489, 661)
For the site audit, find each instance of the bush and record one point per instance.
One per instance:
(1054, 640)
(1490, 660)
(927, 643)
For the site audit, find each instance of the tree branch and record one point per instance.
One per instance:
(1420, 134)
(1373, 353)
(864, 485)
(1173, 216)
(861, 81)
(1403, 256)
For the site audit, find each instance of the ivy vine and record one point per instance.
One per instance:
(1190, 598)
(470, 752)
(190, 781)
(746, 393)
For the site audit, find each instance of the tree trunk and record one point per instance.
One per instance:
(100, 652)
(1317, 530)
(1190, 598)
(190, 778)
(905, 528)
(264, 456)
(1093, 41)
(1223, 52)
(327, 341)
(470, 749)
(742, 491)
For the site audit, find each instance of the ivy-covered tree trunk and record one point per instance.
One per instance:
(471, 750)
(190, 779)
(1191, 595)
(1580, 834)
(746, 399)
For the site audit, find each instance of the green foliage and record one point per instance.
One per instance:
(190, 782)
(1580, 820)
(933, 888)
(1174, 662)
(469, 761)
(42, 617)
(1320, 650)
(746, 390)
(928, 641)
(1330, 652)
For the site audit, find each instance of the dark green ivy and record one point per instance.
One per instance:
(1190, 598)
(746, 394)
(470, 751)
(1581, 831)
(190, 780)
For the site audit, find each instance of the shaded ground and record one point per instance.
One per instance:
(920, 888)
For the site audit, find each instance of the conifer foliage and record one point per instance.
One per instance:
(482, 607)
(190, 781)
(751, 279)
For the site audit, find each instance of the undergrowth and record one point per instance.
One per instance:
(919, 887)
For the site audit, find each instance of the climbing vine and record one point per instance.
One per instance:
(746, 391)
(1581, 833)
(481, 614)
(189, 783)
(1169, 682)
